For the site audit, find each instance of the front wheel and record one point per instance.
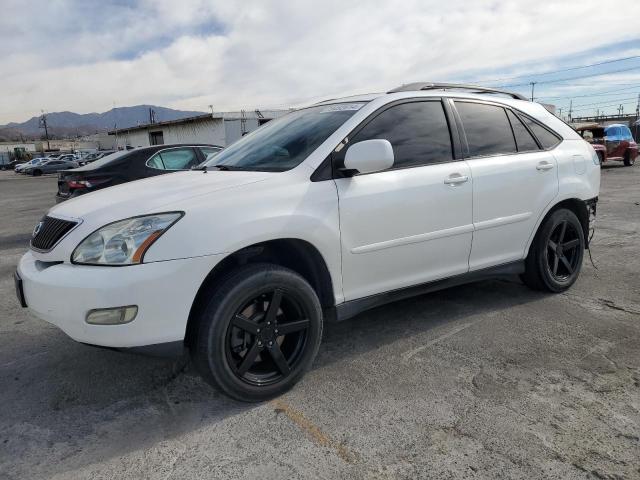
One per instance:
(555, 257)
(628, 160)
(258, 332)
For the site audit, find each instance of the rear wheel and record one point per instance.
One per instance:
(258, 332)
(555, 257)
(37, 173)
(628, 161)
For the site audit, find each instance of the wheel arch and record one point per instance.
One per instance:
(575, 205)
(293, 253)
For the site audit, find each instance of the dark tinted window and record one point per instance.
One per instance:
(418, 132)
(487, 129)
(544, 136)
(524, 140)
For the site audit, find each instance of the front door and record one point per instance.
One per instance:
(412, 223)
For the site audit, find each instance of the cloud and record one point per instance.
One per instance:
(86, 55)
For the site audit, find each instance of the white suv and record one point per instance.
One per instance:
(321, 214)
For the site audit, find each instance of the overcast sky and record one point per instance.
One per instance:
(89, 55)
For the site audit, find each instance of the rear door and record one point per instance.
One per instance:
(412, 223)
(514, 179)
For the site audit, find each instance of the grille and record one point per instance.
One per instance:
(51, 231)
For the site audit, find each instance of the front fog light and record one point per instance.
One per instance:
(112, 316)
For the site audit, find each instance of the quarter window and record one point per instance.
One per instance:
(487, 129)
(418, 133)
(177, 159)
(544, 136)
(209, 152)
(524, 140)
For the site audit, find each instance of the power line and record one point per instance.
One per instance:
(562, 70)
(572, 78)
(604, 106)
(597, 94)
(606, 101)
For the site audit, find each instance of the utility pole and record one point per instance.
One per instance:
(43, 124)
(243, 123)
(570, 108)
(637, 118)
(560, 112)
(533, 86)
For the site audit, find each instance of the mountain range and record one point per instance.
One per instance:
(71, 125)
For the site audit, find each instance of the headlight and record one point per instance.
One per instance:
(124, 242)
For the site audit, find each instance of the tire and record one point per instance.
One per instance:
(555, 257)
(628, 162)
(37, 173)
(239, 345)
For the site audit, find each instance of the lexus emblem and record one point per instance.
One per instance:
(37, 229)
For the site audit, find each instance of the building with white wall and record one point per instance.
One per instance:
(221, 128)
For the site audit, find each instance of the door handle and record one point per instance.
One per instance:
(544, 166)
(456, 179)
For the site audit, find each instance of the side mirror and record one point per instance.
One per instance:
(369, 156)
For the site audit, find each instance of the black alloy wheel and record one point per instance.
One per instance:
(258, 330)
(555, 256)
(266, 338)
(562, 251)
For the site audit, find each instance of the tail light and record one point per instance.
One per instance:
(87, 183)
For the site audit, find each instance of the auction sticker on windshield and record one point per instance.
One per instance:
(341, 107)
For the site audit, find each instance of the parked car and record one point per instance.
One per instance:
(128, 165)
(594, 134)
(49, 166)
(620, 144)
(318, 215)
(11, 165)
(92, 157)
(31, 163)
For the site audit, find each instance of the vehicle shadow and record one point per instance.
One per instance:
(64, 393)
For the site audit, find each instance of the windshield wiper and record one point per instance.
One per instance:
(204, 168)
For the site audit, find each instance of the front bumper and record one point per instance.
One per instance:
(63, 293)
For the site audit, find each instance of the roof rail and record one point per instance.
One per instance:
(411, 87)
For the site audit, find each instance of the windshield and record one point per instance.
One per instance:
(284, 143)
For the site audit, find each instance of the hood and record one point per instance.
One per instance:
(151, 195)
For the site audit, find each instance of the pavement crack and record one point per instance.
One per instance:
(611, 304)
(314, 432)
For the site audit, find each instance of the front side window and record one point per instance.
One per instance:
(177, 159)
(418, 133)
(524, 141)
(284, 143)
(487, 129)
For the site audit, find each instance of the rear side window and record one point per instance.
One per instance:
(544, 136)
(524, 141)
(487, 129)
(177, 159)
(418, 133)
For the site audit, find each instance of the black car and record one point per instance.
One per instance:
(129, 165)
